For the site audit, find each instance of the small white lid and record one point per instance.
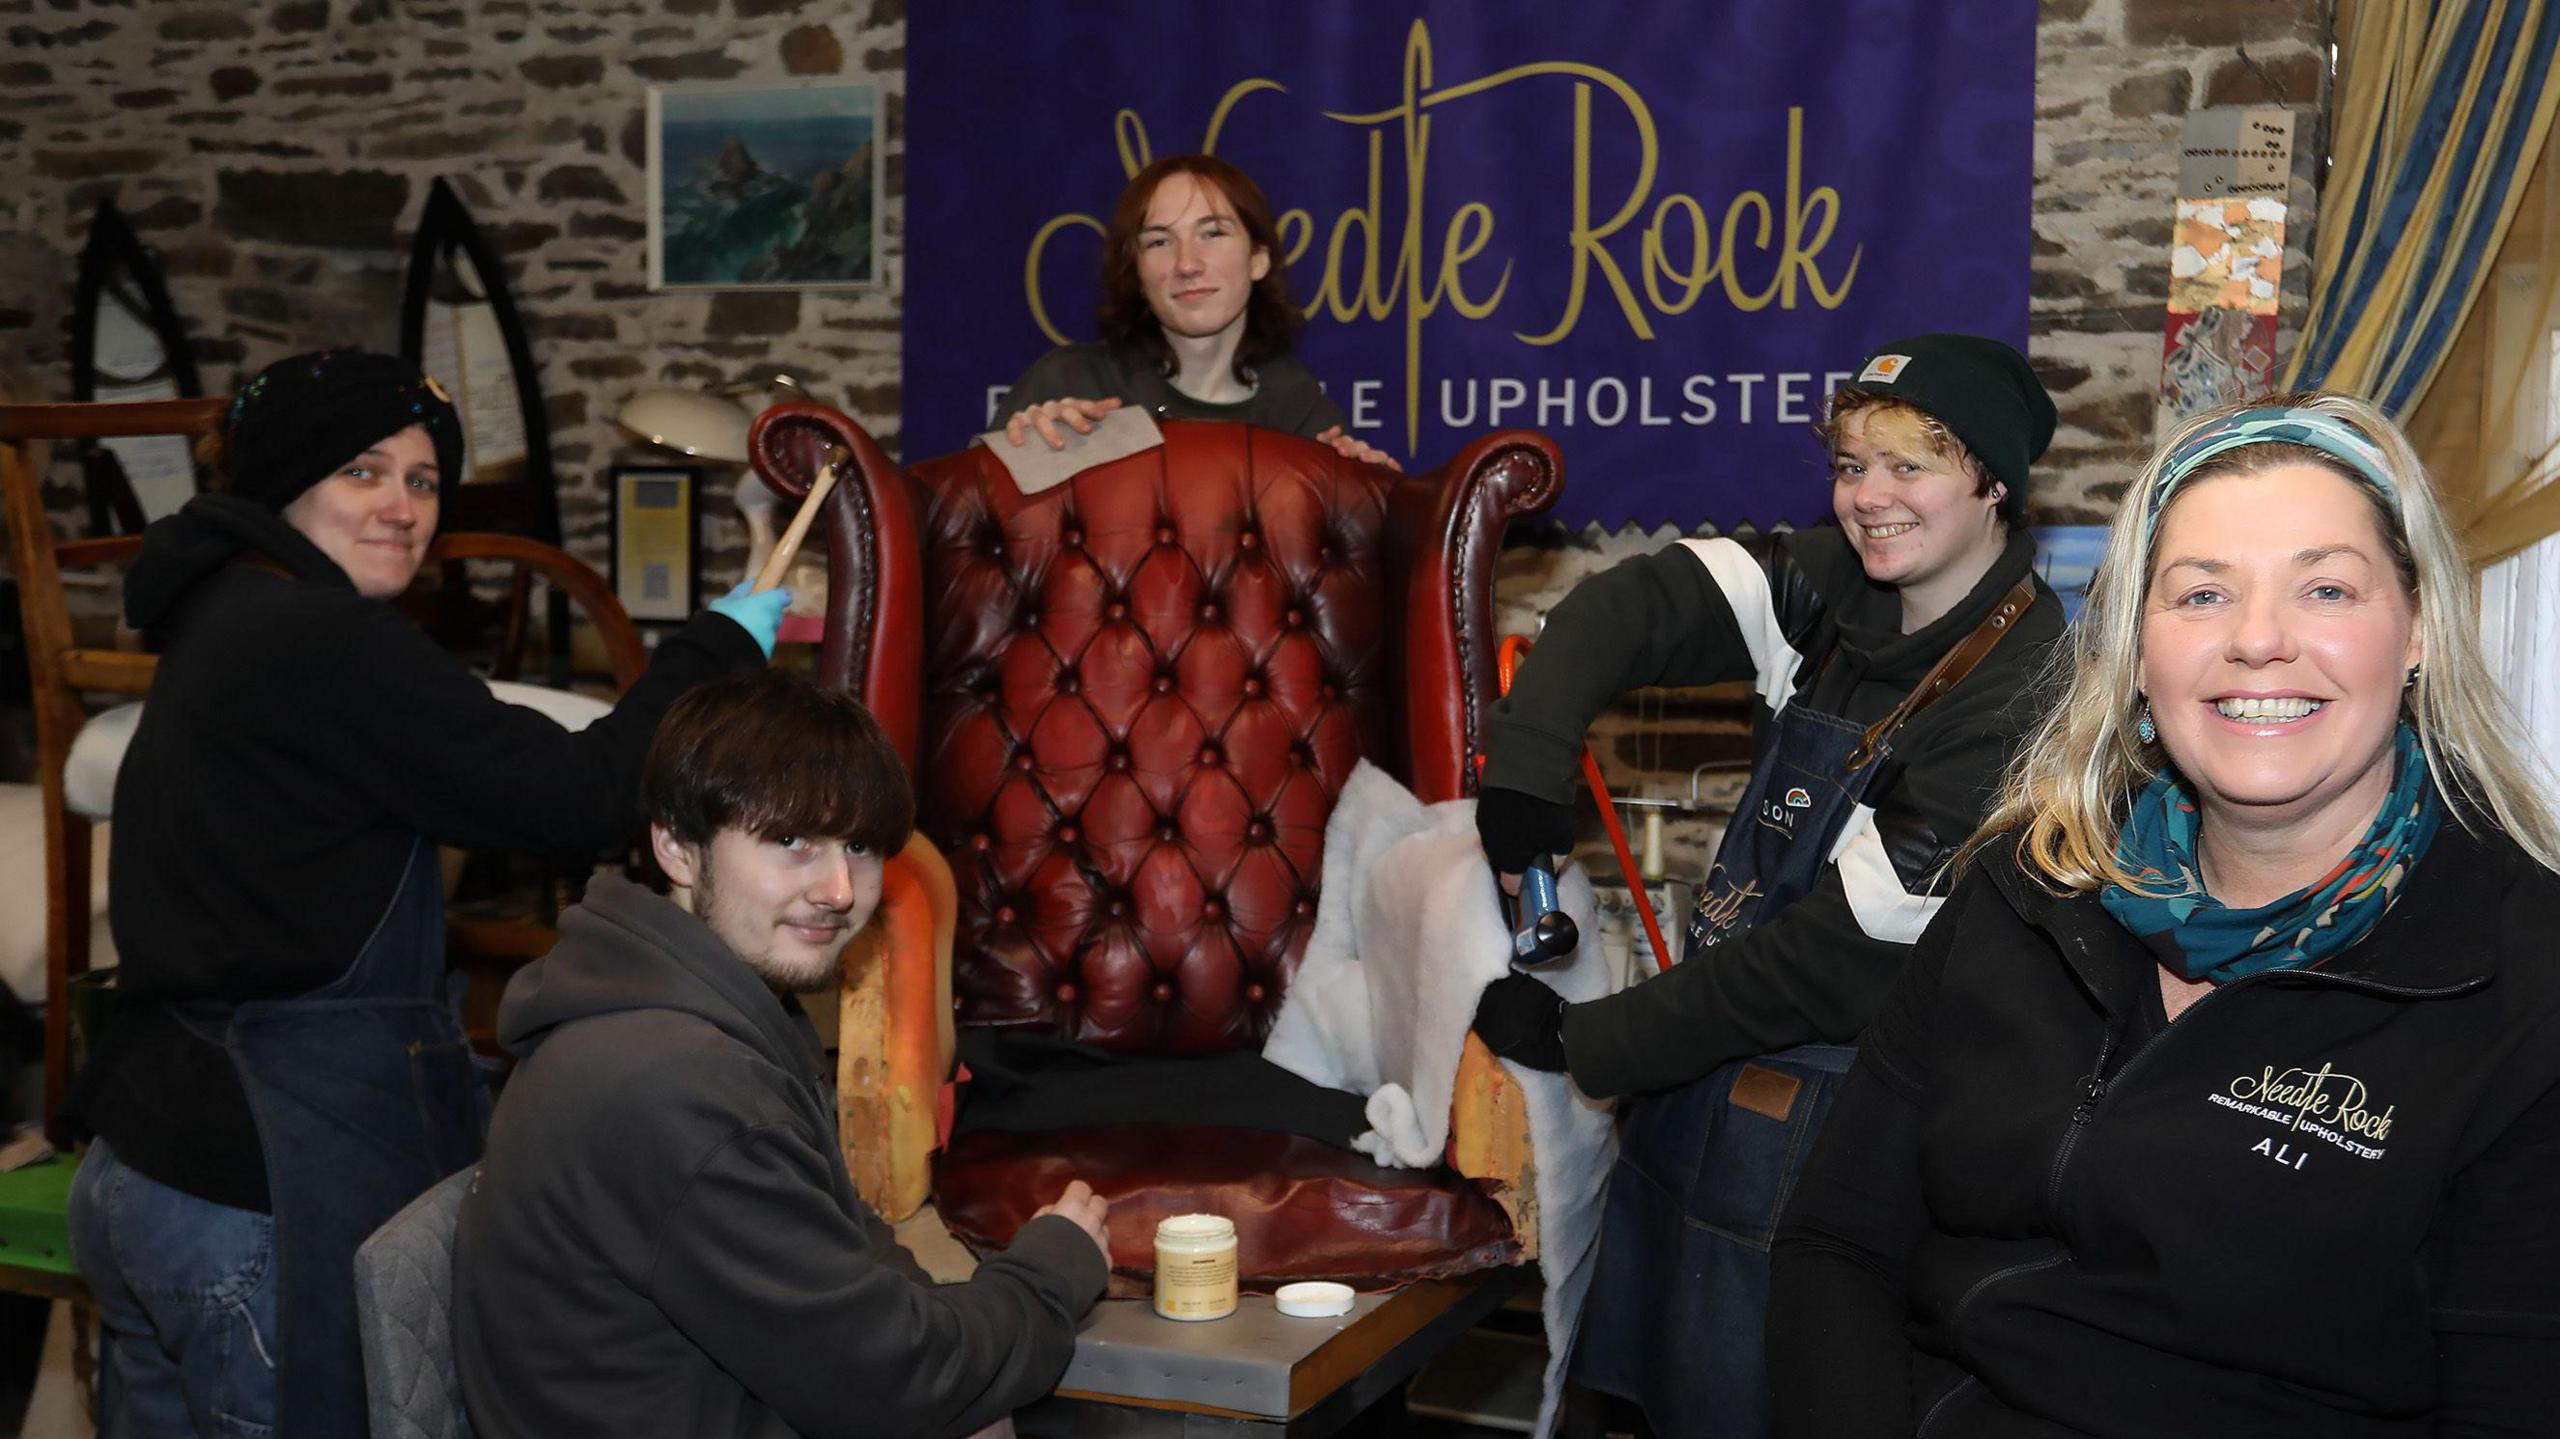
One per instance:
(1313, 1299)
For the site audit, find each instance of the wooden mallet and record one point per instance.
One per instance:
(778, 564)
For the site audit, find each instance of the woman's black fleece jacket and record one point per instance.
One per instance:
(2322, 1202)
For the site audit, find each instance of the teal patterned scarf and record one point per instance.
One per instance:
(2201, 938)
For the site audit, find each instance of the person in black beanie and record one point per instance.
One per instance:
(285, 1068)
(1893, 658)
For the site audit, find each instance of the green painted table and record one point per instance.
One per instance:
(35, 1238)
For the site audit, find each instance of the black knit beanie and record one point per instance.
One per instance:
(301, 418)
(1980, 389)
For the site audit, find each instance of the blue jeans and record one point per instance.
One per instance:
(186, 1291)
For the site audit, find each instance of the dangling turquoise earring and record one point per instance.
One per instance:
(2143, 729)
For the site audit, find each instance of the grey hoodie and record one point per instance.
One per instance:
(663, 1238)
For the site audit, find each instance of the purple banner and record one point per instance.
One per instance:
(1661, 233)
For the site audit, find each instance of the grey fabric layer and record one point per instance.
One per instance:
(404, 1313)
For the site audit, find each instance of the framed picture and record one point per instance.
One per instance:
(657, 546)
(764, 187)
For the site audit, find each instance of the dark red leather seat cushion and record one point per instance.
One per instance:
(1302, 1209)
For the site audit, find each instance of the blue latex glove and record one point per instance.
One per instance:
(759, 614)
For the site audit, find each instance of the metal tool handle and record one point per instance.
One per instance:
(1547, 936)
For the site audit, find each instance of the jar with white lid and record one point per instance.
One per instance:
(1196, 1266)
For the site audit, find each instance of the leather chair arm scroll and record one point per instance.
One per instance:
(875, 561)
(1452, 520)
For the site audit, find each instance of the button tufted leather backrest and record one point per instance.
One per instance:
(1142, 692)
(1136, 696)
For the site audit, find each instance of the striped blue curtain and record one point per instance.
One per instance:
(2445, 108)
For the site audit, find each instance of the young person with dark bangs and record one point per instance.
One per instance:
(663, 1239)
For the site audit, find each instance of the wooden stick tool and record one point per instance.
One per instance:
(778, 564)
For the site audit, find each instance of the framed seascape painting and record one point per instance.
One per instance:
(761, 187)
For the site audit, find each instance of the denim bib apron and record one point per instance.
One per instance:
(1681, 1284)
(364, 1095)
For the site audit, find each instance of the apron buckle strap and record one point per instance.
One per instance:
(1950, 670)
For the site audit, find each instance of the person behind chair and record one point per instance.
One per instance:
(1196, 319)
(2223, 1096)
(663, 1238)
(1891, 656)
(285, 1069)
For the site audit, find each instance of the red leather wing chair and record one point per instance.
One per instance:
(1128, 704)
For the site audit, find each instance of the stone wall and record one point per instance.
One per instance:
(277, 151)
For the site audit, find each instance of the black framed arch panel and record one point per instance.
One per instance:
(128, 344)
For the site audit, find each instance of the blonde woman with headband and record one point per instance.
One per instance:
(2223, 1094)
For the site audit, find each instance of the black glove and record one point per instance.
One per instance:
(1517, 828)
(1523, 1021)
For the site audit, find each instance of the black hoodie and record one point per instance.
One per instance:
(299, 738)
(663, 1238)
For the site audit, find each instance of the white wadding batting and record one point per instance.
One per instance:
(1408, 933)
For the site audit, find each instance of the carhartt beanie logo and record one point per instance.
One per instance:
(1983, 391)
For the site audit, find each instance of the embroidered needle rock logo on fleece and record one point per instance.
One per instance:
(2318, 1103)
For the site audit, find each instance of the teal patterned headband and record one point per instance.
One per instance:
(2273, 425)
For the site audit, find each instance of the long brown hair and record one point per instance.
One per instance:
(1270, 317)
